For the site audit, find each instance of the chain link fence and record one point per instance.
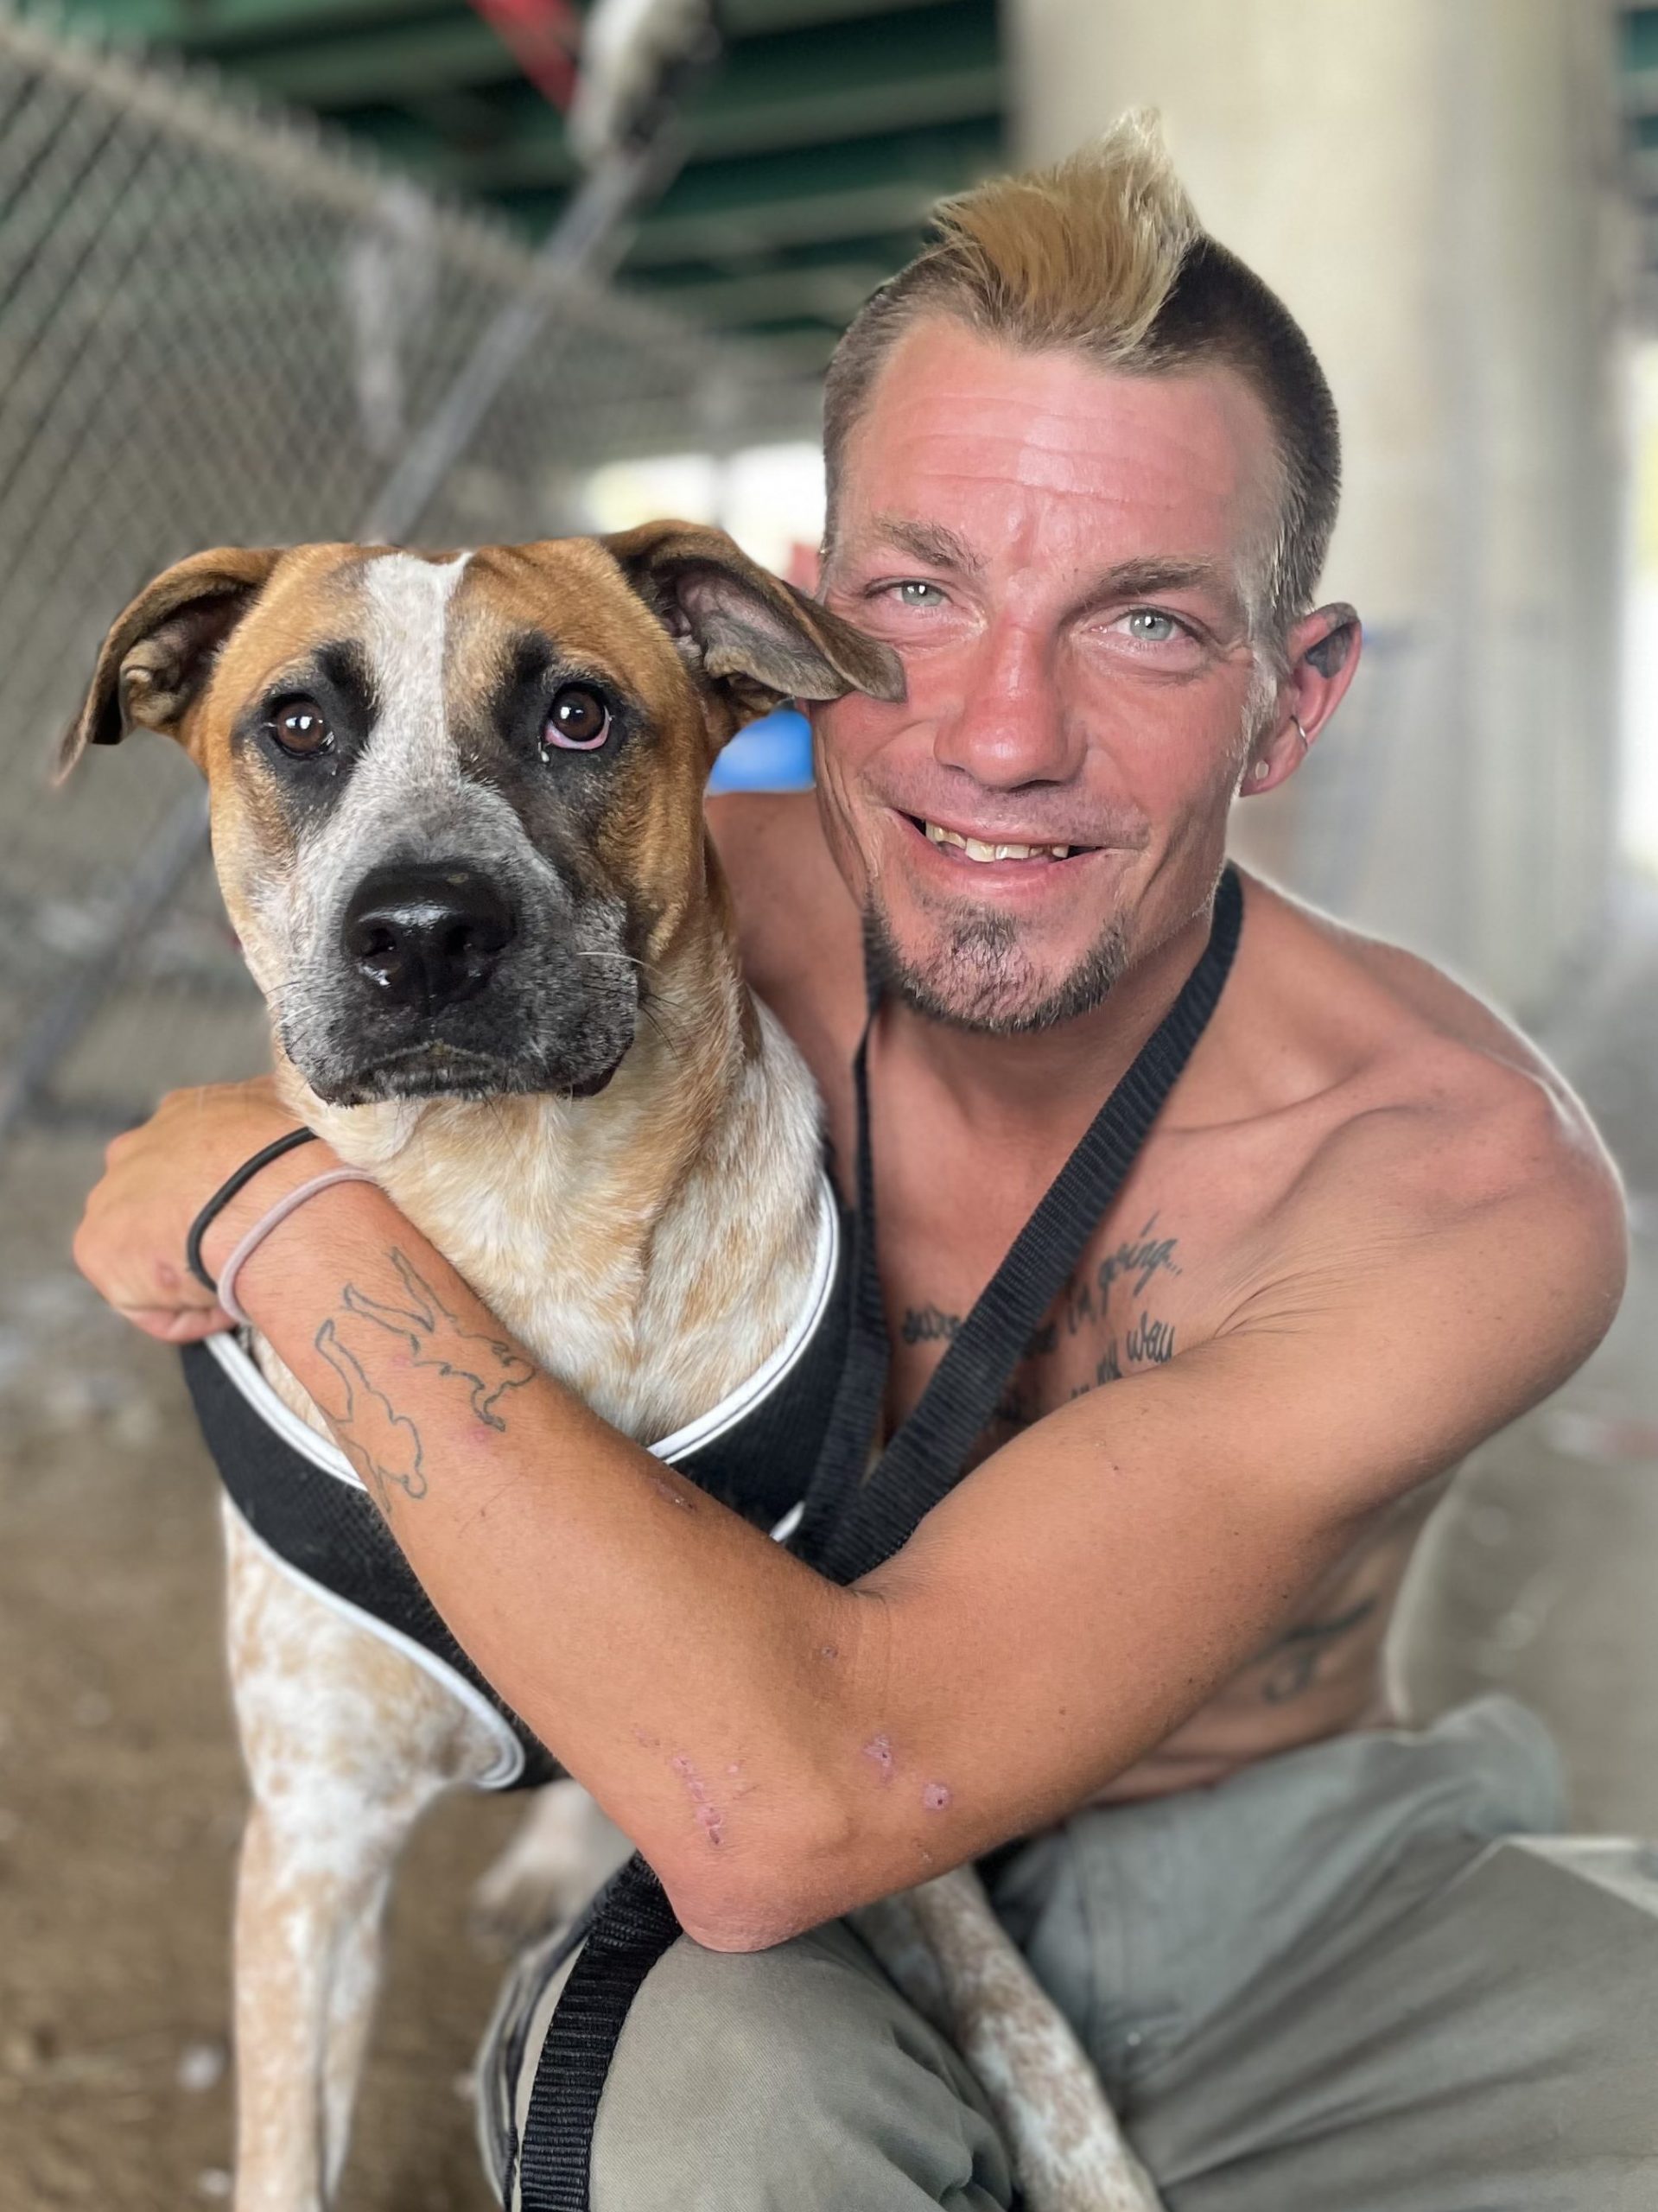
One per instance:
(218, 324)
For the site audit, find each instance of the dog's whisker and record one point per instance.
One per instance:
(674, 1045)
(632, 959)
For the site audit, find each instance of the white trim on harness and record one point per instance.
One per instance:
(509, 1752)
(240, 1367)
(741, 1401)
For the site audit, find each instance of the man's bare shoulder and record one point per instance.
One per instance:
(1388, 1029)
(1431, 1115)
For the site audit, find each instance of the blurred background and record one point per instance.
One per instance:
(275, 270)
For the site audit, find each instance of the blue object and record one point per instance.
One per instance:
(773, 754)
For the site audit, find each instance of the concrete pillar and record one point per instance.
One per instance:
(1428, 184)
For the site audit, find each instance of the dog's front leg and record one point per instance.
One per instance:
(565, 1851)
(347, 1742)
(945, 1948)
(307, 1941)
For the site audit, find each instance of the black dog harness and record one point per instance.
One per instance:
(304, 1504)
(854, 1518)
(816, 1400)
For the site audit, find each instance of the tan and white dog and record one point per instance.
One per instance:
(457, 821)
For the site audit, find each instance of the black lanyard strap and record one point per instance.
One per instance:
(856, 1518)
(849, 1525)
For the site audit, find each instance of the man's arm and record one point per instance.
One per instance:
(782, 1749)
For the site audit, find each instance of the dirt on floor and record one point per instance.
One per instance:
(120, 1790)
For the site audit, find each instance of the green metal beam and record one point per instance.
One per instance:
(773, 200)
(402, 61)
(830, 294)
(816, 151)
(883, 249)
(771, 94)
(746, 18)
(804, 346)
(221, 27)
(727, 287)
(1640, 38)
(765, 81)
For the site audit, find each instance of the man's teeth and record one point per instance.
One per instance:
(976, 850)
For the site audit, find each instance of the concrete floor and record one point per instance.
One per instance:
(120, 1794)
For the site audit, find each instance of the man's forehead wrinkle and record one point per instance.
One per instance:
(1162, 470)
(954, 418)
(1058, 390)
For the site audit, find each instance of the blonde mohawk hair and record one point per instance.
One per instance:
(1082, 254)
(1103, 255)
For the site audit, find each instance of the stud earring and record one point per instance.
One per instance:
(1262, 768)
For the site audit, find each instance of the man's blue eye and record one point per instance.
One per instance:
(910, 591)
(1150, 627)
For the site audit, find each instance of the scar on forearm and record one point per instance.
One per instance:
(707, 1814)
(357, 1342)
(1296, 1655)
(676, 1493)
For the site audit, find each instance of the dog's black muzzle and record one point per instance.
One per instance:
(448, 979)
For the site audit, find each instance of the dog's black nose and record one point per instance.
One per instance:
(427, 936)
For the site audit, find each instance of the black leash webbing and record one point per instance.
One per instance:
(923, 1461)
(843, 1456)
(849, 1525)
(631, 1923)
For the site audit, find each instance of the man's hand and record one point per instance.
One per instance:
(157, 1178)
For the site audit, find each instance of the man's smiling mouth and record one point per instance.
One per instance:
(982, 850)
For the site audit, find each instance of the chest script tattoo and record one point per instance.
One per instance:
(360, 1343)
(927, 1324)
(1144, 1338)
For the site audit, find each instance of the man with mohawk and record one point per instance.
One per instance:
(1083, 473)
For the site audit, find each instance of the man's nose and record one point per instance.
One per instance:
(1007, 725)
(427, 936)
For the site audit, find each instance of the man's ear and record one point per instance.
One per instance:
(154, 663)
(758, 641)
(1322, 654)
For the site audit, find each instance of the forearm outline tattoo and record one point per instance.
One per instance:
(385, 1441)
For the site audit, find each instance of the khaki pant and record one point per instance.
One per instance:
(1363, 1977)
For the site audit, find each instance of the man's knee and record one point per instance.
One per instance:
(788, 2078)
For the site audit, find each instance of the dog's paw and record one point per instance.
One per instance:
(517, 1904)
(563, 1852)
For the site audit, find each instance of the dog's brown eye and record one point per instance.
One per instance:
(300, 725)
(578, 720)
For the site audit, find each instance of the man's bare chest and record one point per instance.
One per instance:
(1149, 1284)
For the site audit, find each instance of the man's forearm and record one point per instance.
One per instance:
(703, 1685)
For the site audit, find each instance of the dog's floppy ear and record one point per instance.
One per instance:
(755, 638)
(154, 662)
